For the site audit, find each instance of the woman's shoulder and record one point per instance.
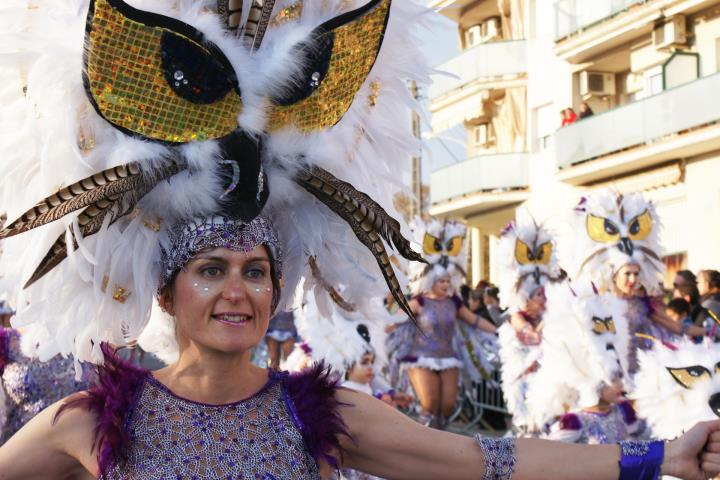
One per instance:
(314, 405)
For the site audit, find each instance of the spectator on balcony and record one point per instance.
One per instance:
(708, 284)
(569, 116)
(585, 111)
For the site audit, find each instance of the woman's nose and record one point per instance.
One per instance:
(234, 289)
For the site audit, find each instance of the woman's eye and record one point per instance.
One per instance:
(256, 273)
(211, 271)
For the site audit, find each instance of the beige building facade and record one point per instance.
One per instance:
(650, 71)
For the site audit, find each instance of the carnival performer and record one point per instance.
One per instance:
(433, 348)
(529, 264)
(217, 119)
(280, 337)
(577, 393)
(612, 240)
(28, 384)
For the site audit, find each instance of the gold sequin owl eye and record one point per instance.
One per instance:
(602, 230)
(337, 59)
(156, 77)
(640, 227)
(689, 376)
(453, 247)
(432, 245)
(523, 253)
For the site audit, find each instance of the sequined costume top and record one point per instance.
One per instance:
(31, 385)
(438, 323)
(599, 428)
(147, 432)
(639, 310)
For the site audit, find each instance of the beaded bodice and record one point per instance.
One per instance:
(437, 322)
(31, 385)
(174, 438)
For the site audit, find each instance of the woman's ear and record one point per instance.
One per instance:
(166, 301)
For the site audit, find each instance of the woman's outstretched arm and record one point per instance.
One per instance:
(45, 449)
(388, 444)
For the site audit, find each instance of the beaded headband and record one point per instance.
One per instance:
(186, 239)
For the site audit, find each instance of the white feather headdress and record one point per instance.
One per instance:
(443, 246)
(608, 230)
(528, 261)
(678, 386)
(276, 90)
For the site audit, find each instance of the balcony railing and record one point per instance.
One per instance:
(575, 15)
(486, 173)
(487, 60)
(681, 108)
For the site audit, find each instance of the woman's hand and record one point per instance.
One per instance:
(686, 458)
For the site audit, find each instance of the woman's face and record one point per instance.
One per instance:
(702, 284)
(362, 371)
(473, 303)
(222, 299)
(441, 287)
(627, 279)
(537, 300)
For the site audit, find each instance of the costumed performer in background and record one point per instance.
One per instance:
(529, 263)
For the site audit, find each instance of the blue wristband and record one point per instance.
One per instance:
(641, 460)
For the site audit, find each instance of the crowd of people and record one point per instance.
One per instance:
(176, 175)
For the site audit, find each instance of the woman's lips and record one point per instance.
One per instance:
(234, 319)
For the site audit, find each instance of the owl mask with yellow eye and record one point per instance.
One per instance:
(443, 247)
(678, 386)
(585, 344)
(528, 261)
(608, 230)
(135, 114)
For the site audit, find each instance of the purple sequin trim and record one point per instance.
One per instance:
(500, 459)
(315, 409)
(5, 337)
(186, 239)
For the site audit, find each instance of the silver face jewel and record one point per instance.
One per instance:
(186, 239)
(315, 79)
(178, 75)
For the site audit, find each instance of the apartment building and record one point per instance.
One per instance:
(649, 71)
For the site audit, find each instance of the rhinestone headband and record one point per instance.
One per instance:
(186, 239)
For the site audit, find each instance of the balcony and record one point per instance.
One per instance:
(484, 62)
(585, 29)
(677, 123)
(572, 16)
(479, 184)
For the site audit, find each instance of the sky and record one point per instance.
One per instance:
(441, 44)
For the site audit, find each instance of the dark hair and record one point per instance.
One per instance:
(493, 292)
(679, 306)
(689, 291)
(476, 294)
(687, 276)
(712, 277)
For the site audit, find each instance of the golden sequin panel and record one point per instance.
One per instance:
(126, 81)
(355, 49)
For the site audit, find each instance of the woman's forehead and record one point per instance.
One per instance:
(228, 254)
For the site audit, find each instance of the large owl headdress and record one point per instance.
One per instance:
(123, 118)
(678, 386)
(585, 344)
(443, 245)
(608, 230)
(528, 262)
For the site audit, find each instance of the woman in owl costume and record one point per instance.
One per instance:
(527, 252)
(433, 355)
(577, 393)
(199, 154)
(612, 240)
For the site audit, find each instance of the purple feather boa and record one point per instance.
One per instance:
(111, 399)
(315, 408)
(570, 421)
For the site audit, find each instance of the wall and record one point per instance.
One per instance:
(703, 212)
